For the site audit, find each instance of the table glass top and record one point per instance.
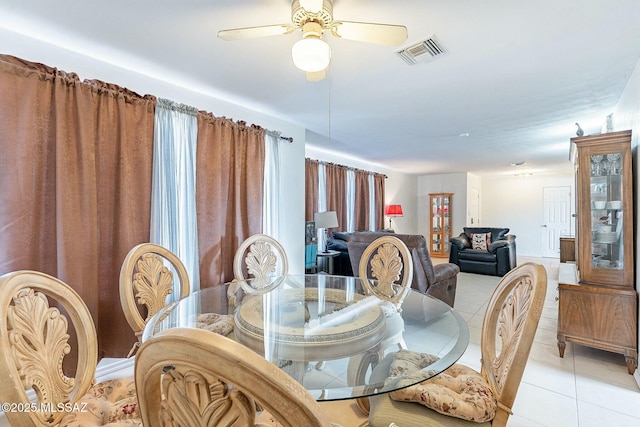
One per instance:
(325, 331)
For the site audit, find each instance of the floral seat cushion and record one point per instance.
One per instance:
(217, 323)
(110, 403)
(459, 392)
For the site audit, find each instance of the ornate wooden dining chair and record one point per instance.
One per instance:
(259, 256)
(387, 260)
(34, 340)
(461, 396)
(145, 283)
(187, 377)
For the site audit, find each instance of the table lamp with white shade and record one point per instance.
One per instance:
(325, 220)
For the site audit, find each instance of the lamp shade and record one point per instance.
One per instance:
(311, 54)
(393, 210)
(327, 219)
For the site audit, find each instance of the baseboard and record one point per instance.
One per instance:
(108, 367)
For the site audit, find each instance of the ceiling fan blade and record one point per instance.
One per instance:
(316, 76)
(255, 32)
(392, 35)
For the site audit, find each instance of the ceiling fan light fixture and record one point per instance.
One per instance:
(313, 6)
(311, 54)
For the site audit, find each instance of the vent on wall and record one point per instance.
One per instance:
(422, 51)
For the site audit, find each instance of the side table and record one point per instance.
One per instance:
(329, 256)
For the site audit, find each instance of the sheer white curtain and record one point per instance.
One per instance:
(372, 204)
(270, 201)
(322, 201)
(173, 201)
(351, 200)
(271, 184)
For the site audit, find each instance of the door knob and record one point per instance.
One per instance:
(544, 226)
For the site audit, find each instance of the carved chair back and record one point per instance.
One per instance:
(258, 257)
(188, 377)
(508, 329)
(145, 283)
(388, 261)
(34, 339)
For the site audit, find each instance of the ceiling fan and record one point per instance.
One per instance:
(313, 17)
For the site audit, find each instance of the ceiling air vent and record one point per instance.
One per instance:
(422, 51)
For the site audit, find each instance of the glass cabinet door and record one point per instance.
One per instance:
(440, 223)
(436, 224)
(446, 223)
(606, 191)
(604, 209)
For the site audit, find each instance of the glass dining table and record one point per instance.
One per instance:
(324, 330)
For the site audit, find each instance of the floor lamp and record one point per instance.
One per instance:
(325, 220)
(393, 211)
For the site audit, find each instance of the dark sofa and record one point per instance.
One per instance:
(438, 280)
(338, 242)
(498, 258)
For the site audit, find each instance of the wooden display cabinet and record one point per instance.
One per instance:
(440, 226)
(597, 297)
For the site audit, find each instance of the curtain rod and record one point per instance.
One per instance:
(346, 167)
(278, 134)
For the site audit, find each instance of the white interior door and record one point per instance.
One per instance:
(557, 219)
(473, 213)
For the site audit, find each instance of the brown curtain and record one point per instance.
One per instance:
(361, 214)
(311, 189)
(336, 192)
(229, 177)
(378, 185)
(336, 179)
(75, 184)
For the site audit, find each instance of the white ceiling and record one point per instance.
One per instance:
(516, 77)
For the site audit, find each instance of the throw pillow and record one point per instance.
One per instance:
(337, 245)
(480, 241)
(459, 392)
(341, 235)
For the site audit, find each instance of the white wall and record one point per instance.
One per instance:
(627, 116)
(516, 202)
(400, 188)
(291, 212)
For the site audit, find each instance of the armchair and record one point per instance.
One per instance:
(438, 280)
(494, 253)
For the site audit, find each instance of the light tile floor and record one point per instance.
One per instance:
(586, 388)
